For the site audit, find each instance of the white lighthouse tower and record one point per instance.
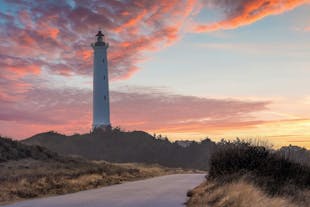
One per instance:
(101, 99)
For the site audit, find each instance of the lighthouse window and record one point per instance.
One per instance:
(103, 60)
(103, 77)
(105, 98)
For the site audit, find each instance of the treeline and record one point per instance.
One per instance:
(137, 146)
(119, 146)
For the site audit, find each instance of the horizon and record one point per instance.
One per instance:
(184, 69)
(256, 141)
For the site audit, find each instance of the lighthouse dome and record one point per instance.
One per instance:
(100, 40)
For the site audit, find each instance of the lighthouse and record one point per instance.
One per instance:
(101, 99)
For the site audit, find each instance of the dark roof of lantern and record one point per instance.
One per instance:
(99, 34)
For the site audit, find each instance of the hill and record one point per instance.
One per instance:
(135, 146)
(34, 171)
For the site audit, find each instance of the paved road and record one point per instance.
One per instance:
(165, 191)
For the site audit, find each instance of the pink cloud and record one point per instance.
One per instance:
(157, 111)
(69, 111)
(244, 12)
(19, 66)
(51, 33)
(57, 36)
(58, 31)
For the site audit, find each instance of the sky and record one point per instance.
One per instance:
(186, 69)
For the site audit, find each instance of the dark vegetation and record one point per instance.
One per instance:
(13, 150)
(278, 173)
(137, 146)
(33, 171)
(295, 154)
(51, 163)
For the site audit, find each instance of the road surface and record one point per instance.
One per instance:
(165, 191)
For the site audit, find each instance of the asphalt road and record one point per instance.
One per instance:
(165, 191)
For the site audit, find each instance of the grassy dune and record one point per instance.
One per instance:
(243, 175)
(31, 171)
(28, 178)
(237, 194)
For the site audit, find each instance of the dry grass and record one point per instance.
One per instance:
(247, 174)
(28, 178)
(238, 194)
(156, 169)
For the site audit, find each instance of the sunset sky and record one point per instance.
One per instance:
(185, 69)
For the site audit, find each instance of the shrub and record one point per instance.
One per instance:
(14, 150)
(264, 167)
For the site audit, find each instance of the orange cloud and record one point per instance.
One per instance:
(27, 40)
(26, 69)
(56, 36)
(18, 67)
(160, 112)
(179, 116)
(132, 22)
(245, 12)
(51, 32)
(138, 26)
(132, 28)
(85, 54)
(150, 110)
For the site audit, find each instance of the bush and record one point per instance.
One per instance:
(14, 150)
(264, 167)
(235, 158)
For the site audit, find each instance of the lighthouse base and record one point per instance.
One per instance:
(102, 128)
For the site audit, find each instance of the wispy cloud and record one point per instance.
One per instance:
(244, 12)
(70, 109)
(307, 29)
(56, 35)
(289, 49)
